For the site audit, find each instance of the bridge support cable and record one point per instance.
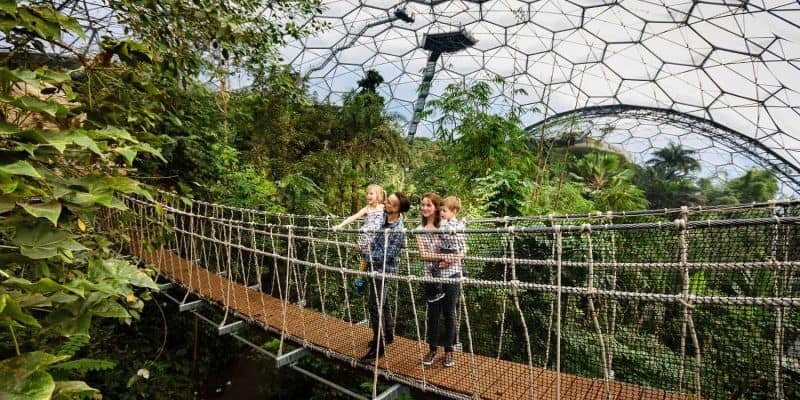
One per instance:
(592, 310)
(778, 287)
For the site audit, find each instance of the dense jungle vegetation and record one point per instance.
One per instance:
(78, 318)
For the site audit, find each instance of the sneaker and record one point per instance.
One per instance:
(436, 297)
(429, 358)
(449, 360)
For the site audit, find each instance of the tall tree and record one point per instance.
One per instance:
(370, 82)
(674, 161)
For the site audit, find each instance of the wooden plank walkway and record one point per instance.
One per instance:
(472, 376)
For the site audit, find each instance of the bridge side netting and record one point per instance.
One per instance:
(675, 302)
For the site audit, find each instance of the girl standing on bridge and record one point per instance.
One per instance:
(429, 244)
(373, 219)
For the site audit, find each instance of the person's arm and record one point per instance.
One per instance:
(350, 219)
(459, 242)
(424, 245)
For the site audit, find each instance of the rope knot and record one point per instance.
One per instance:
(777, 219)
(679, 223)
(586, 228)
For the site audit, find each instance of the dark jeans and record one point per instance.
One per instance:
(381, 291)
(446, 306)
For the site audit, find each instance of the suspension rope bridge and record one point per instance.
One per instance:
(660, 304)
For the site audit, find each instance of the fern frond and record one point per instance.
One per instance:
(74, 344)
(84, 365)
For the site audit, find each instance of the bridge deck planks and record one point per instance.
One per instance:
(487, 377)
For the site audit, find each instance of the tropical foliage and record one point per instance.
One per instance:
(61, 179)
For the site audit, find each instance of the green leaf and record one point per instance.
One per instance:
(26, 147)
(149, 149)
(6, 204)
(22, 377)
(86, 142)
(112, 132)
(17, 75)
(8, 187)
(85, 365)
(68, 390)
(119, 270)
(44, 285)
(13, 312)
(128, 152)
(8, 129)
(34, 104)
(9, 6)
(43, 20)
(50, 210)
(110, 309)
(21, 167)
(53, 77)
(40, 241)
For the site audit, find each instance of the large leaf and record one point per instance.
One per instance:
(112, 132)
(34, 104)
(41, 241)
(21, 167)
(22, 377)
(43, 20)
(68, 390)
(9, 6)
(8, 129)
(127, 152)
(8, 187)
(50, 210)
(18, 75)
(149, 149)
(6, 204)
(13, 312)
(119, 270)
(110, 309)
(44, 285)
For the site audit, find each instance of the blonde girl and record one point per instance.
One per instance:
(373, 219)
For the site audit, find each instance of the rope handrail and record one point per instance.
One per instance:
(605, 215)
(694, 224)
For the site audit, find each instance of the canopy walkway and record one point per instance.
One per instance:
(666, 304)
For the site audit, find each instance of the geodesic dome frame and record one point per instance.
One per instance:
(725, 74)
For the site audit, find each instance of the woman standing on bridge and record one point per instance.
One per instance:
(429, 244)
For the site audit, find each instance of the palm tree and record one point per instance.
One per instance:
(674, 161)
(608, 182)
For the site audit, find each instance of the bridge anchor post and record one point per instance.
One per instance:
(229, 328)
(190, 306)
(290, 357)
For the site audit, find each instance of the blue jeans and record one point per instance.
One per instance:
(446, 306)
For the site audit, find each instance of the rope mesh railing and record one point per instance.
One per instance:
(678, 303)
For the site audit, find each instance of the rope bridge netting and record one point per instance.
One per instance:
(676, 303)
